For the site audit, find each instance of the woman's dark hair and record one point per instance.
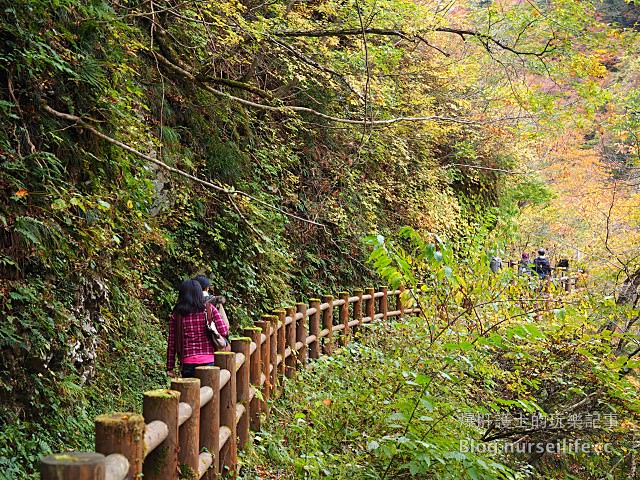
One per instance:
(189, 298)
(203, 281)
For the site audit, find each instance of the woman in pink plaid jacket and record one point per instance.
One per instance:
(189, 339)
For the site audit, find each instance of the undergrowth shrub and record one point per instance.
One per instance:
(494, 361)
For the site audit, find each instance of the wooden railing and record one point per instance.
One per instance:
(568, 279)
(194, 429)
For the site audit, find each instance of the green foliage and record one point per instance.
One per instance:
(405, 399)
(95, 240)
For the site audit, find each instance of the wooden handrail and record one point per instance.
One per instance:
(207, 419)
(116, 467)
(206, 394)
(155, 433)
(184, 414)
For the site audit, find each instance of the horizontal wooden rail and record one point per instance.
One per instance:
(155, 433)
(184, 413)
(225, 433)
(225, 376)
(240, 359)
(200, 423)
(206, 394)
(205, 460)
(116, 467)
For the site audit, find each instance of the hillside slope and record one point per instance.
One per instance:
(144, 142)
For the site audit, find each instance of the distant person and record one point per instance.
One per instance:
(188, 335)
(523, 265)
(541, 264)
(495, 264)
(563, 263)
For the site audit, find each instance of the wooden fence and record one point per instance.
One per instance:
(567, 279)
(194, 430)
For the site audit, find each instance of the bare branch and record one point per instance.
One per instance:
(480, 167)
(485, 39)
(79, 122)
(288, 109)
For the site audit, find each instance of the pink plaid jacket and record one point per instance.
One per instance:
(195, 338)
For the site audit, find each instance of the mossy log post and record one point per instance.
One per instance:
(327, 324)
(314, 328)
(265, 354)
(73, 466)
(282, 345)
(290, 370)
(399, 302)
(384, 302)
(210, 418)
(302, 332)
(344, 318)
(275, 352)
(188, 455)
(162, 405)
(229, 451)
(122, 433)
(255, 374)
(242, 345)
(357, 311)
(370, 304)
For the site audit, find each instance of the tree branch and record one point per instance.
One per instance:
(288, 109)
(79, 122)
(463, 33)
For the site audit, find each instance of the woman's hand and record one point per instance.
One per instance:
(171, 374)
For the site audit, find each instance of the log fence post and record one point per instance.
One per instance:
(265, 354)
(357, 310)
(122, 433)
(210, 418)
(73, 466)
(327, 324)
(255, 375)
(291, 343)
(242, 345)
(399, 302)
(162, 405)
(229, 452)
(188, 454)
(384, 303)
(370, 305)
(302, 332)
(273, 352)
(314, 327)
(282, 345)
(344, 318)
